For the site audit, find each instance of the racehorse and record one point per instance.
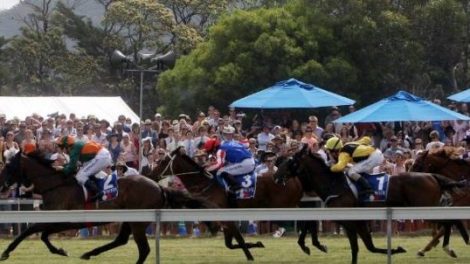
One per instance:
(443, 163)
(268, 195)
(332, 188)
(64, 193)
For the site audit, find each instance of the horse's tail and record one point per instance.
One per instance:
(181, 199)
(448, 184)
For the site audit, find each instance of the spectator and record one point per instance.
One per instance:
(264, 137)
(99, 136)
(310, 139)
(129, 152)
(435, 142)
(46, 142)
(114, 147)
(313, 123)
(394, 147)
(28, 144)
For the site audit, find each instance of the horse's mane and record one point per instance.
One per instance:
(452, 153)
(40, 157)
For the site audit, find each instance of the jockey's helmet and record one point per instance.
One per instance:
(65, 141)
(334, 143)
(211, 145)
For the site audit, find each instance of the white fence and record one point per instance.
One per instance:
(173, 215)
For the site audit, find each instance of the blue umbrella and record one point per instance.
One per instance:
(291, 94)
(463, 96)
(402, 106)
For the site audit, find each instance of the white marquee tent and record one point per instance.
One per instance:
(108, 108)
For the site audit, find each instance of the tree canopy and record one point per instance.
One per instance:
(364, 49)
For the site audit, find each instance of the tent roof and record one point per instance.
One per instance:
(108, 108)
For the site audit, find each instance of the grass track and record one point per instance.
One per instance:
(212, 250)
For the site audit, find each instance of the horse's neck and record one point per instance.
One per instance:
(44, 178)
(320, 179)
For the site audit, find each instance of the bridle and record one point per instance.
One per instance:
(169, 166)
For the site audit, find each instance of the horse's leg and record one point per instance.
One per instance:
(52, 248)
(463, 231)
(364, 232)
(445, 244)
(140, 238)
(120, 240)
(35, 228)
(313, 227)
(230, 232)
(302, 225)
(432, 243)
(352, 237)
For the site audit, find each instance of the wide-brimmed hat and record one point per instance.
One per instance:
(228, 130)
(120, 164)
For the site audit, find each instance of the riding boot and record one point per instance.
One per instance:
(366, 188)
(92, 188)
(233, 185)
(232, 200)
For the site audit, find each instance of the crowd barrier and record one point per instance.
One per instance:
(279, 214)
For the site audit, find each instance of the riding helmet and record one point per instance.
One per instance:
(334, 143)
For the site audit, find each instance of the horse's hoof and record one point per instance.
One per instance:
(260, 244)
(401, 250)
(450, 252)
(4, 257)
(420, 254)
(62, 252)
(306, 250)
(85, 257)
(323, 248)
(251, 258)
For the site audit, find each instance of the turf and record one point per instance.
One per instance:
(212, 250)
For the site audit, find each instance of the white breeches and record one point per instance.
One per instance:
(375, 159)
(244, 167)
(101, 161)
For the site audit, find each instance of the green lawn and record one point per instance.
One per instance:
(212, 250)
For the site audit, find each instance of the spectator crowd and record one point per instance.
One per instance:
(270, 138)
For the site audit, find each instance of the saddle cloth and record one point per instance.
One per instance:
(378, 182)
(108, 187)
(247, 183)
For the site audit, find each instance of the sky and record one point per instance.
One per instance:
(5, 4)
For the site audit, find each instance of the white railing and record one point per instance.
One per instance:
(280, 214)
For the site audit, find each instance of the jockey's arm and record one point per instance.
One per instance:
(343, 160)
(219, 161)
(74, 154)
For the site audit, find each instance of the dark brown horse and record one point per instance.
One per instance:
(457, 169)
(64, 193)
(268, 195)
(316, 176)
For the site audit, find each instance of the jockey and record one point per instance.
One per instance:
(231, 159)
(361, 153)
(93, 156)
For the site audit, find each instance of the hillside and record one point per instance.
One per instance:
(12, 20)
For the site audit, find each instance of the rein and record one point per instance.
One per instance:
(169, 166)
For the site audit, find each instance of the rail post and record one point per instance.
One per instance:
(157, 236)
(389, 235)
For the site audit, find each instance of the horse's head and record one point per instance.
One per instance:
(176, 163)
(444, 161)
(290, 167)
(12, 172)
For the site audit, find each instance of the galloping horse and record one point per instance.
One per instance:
(64, 193)
(268, 194)
(332, 188)
(457, 169)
